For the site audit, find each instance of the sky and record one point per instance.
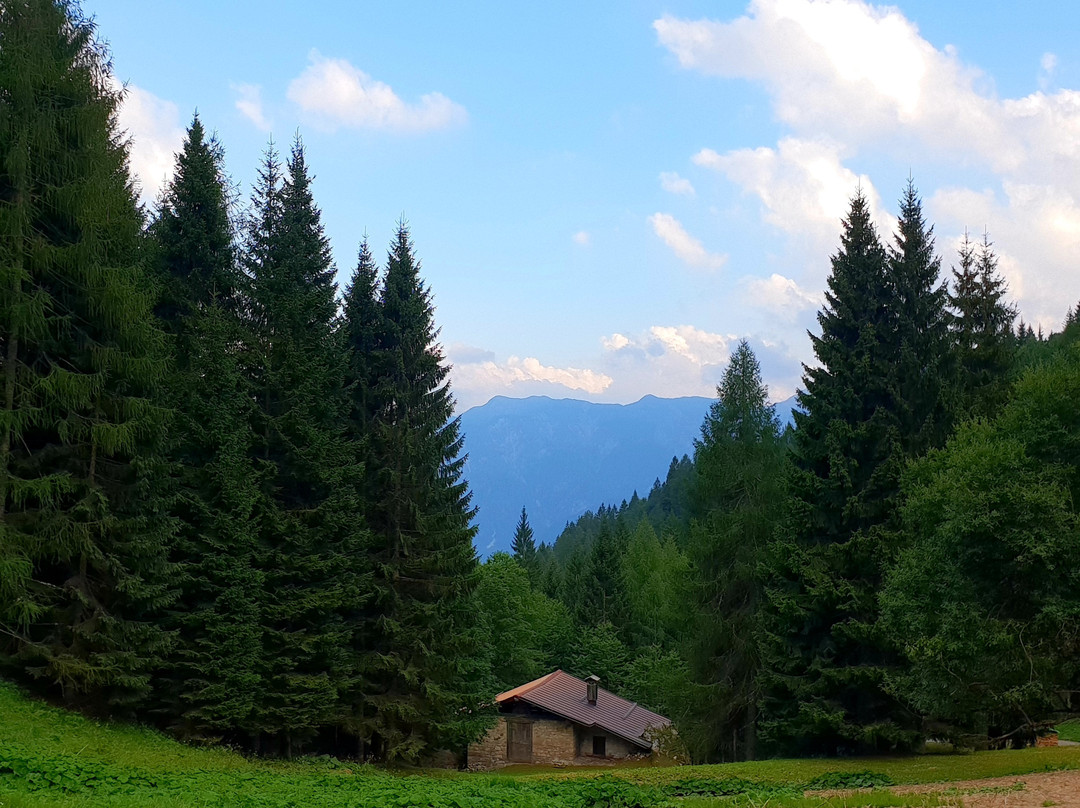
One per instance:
(606, 196)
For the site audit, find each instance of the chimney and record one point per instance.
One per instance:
(591, 685)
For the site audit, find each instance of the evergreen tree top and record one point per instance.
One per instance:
(855, 319)
(194, 230)
(288, 254)
(523, 545)
(742, 412)
(915, 268)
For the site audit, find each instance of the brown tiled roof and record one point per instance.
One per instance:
(564, 695)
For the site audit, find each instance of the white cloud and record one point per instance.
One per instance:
(249, 103)
(335, 93)
(582, 237)
(616, 342)
(671, 182)
(780, 295)
(843, 65)
(686, 247)
(153, 127)
(848, 78)
(1034, 228)
(803, 185)
(665, 360)
(477, 381)
(684, 360)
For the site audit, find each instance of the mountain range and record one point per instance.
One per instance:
(562, 457)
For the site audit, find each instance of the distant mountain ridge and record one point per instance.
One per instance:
(562, 457)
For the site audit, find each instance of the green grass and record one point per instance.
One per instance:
(49, 757)
(1069, 730)
(912, 770)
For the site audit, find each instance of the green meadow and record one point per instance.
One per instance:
(50, 757)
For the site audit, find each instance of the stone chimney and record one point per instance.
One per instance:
(592, 684)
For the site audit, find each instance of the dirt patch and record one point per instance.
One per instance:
(1060, 789)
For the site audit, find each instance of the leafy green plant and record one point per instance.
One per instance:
(863, 779)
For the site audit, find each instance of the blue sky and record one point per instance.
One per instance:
(606, 196)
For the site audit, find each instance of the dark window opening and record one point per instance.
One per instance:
(599, 745)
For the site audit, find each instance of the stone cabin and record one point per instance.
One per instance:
(561, 720)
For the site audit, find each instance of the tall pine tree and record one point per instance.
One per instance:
(83, 534)
(523, 547)
(360, 328)
(740, 461)
(982, 331)
(923, 369)
(210, 685)
(418, 509)
(312, 537)
(823, 655)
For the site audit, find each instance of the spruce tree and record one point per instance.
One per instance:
(360, 327)
(604, 598)
(823, 656)
(523, 547)
(418, 509)
(210, 684)
(982, 335)
(83, 533)
(312, 537)
(740, 462)
(923, 369)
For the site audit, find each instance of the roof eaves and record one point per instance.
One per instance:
(520, 690)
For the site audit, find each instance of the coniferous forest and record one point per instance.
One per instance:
(232, 503)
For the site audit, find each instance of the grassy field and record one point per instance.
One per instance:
(52, 758)
(1069, 731)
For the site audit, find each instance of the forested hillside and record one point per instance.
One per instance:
(889, 565)
(232, 500)
(559, 458)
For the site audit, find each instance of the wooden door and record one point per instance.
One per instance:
(519, 741)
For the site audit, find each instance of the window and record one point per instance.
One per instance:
(599, 745)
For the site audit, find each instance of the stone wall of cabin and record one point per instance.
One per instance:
(615, 747)
(490, 751)
(553, 744)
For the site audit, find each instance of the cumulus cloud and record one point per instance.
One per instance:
(847, 77)
(665, 360)
(686, 247)
(1035, 228)
(684, 360)
(249, 103)
(696, 346)
(334, 93)
(844, 65)
(780, 295)
(155, 135)
(582, 237)
(477, 376)
(671, 182)
(803, 185)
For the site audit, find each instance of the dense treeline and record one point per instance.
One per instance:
(231, 498)
(230, 501)
(901, 565)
